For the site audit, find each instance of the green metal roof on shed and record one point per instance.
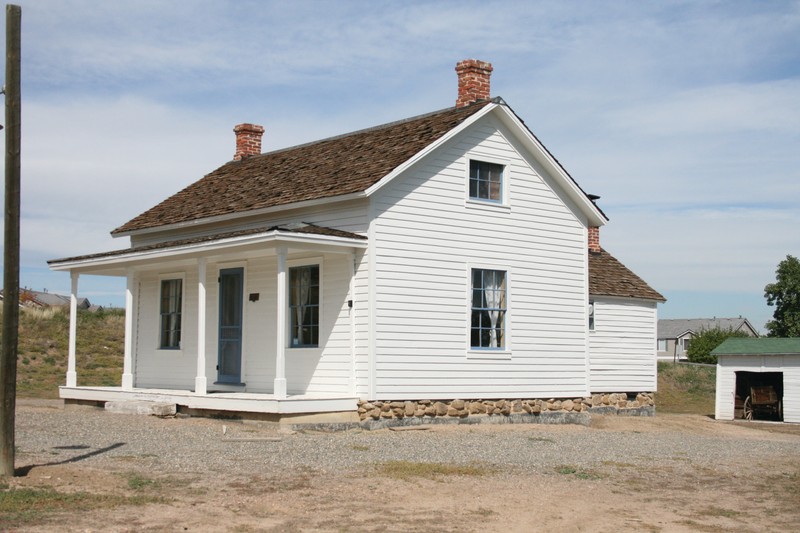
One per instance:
(760, 346)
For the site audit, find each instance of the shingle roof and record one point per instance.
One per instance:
(670, 328)
(331, 167)
(609, 277)
(305, 228)
(759, 346)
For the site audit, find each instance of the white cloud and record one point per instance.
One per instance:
(683, 116)
(771, 106)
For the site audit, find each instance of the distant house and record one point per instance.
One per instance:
(442, 258)
(675, 334)
(44, 299)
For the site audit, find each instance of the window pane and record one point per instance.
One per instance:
(486, 181)
(487, 328)
(304, 305)
(170, 310)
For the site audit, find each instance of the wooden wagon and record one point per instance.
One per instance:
(763, 401)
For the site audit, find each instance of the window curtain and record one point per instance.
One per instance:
(494, 291)
(302, 285)
(171, 312)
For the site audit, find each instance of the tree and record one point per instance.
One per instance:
(706, 340)
(784, 294)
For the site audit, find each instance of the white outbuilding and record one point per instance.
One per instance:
(758, 379)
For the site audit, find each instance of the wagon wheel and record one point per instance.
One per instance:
(747, 409)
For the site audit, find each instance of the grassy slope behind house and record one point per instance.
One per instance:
(42, 363)
(684, 388)
(43, 346)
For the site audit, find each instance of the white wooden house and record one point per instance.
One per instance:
(446, 256)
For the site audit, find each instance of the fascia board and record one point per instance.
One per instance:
(372, 189)
(210, 247)
(537, 149)
(243, 214)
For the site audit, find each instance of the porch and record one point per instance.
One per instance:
(231, 344)
(244, 402)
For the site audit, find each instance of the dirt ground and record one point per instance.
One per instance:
(742, 494)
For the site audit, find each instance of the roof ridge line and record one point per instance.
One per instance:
(496, 100)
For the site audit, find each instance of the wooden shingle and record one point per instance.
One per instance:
(324, 169)
(609, 277)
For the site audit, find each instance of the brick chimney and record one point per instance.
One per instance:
(473, 81)
(248, 140)
(594, 239)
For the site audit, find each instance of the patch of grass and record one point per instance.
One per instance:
(139, 482)
(719, 511)
(569, 470)
(540, 439)
(360, 447)
(28, 506)
(407, 469)
(42, 351)
(618, 464)
(686, 388)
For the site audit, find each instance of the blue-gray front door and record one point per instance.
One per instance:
(231, 287)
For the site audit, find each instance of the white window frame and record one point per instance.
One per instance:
(504, 194)
(591, 317)
(660, 343)
(294, 263)
(488, 353)
(166, 277)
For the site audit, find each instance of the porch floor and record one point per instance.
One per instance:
(248, 402)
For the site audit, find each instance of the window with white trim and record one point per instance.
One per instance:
(591, 315)
(662, 345)
(170, 311)
(304, 306)
(486, 181)
(489, 307)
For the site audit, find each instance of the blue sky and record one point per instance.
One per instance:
(683, 116)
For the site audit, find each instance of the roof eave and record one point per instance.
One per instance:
(593, 213)
(141, 256)
(372, 189)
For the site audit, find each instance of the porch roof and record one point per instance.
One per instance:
(297, 237)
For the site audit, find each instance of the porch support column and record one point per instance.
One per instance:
(280, 333)
(127, 361)
(200, 381)
(352, 310)
(72, 375)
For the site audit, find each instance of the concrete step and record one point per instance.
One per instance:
(141, 407)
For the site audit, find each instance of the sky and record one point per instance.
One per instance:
(684, 117)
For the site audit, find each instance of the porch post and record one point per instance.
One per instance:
(280, 333)
(352, 310)
(200, 381)
(127, 361)
(72, 375)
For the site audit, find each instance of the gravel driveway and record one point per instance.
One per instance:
(96, 438)
(636, 456)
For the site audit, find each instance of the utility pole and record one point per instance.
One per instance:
(8, 358)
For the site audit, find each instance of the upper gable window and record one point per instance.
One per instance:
(486, 181)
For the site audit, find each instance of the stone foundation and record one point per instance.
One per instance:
(641, 404)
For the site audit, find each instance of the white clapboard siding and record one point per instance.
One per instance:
(622, 348)
(168, 369)
(427, 236)
(323, 370)
(728, 365)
